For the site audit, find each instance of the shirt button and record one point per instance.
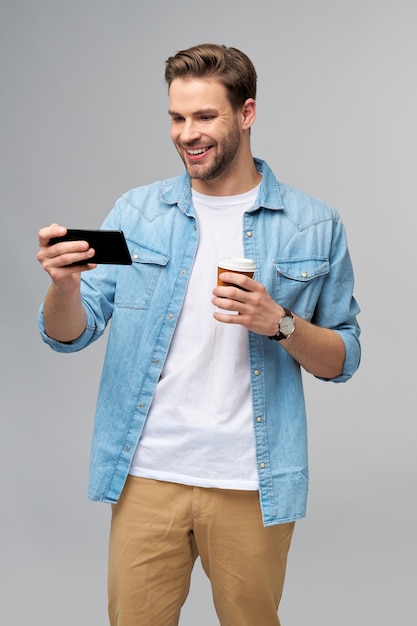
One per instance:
(182, 272)
(127, 448)
(156, 361)
(141, 405)
(248, 233)
(256, 372)
(259, 420)
(304, 275)
(262, 465)
(135, 256)
(170, 316)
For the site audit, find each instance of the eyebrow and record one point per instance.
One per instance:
(199, 112)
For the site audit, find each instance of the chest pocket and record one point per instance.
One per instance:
(137, 287)
(298, 283)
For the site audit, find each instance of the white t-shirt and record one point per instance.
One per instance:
(199, 429)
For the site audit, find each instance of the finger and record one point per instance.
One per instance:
(229, 318)
(66, 270)
(54, 230)
(231, 292)
(58, 274)
(228, 304)
(65, 254)
(239, 280)
(73, 255)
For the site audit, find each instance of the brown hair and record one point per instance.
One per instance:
(229, 65)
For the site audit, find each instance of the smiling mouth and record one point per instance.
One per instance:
(197, 152)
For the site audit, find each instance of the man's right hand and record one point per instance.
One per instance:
(64, 313)
(56, 259)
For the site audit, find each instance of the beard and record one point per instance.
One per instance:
(226, 152)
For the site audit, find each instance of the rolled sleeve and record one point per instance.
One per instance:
(353, 355)
(350, 337)
(88, 336)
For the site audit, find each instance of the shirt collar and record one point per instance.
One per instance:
(269, 196)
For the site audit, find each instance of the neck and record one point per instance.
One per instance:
(241, 178)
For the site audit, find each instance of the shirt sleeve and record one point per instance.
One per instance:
(337, 307)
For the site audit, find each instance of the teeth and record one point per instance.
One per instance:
(200, 151)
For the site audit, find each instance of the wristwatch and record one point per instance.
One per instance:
(286, 326)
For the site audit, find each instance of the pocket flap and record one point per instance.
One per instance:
(302, 269)
(141, 254)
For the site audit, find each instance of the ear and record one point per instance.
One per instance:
(248, 113)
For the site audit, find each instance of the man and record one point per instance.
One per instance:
(200, 433)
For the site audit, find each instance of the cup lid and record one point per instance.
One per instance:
(237, 264)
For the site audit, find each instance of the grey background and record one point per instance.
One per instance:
(83, 119)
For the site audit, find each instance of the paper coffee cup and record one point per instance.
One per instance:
(239, 265)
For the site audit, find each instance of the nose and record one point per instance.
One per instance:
(189, 131)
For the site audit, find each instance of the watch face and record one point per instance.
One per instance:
(286, 325)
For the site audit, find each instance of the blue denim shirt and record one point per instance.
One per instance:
(299, 245)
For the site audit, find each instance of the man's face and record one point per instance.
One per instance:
(205, 129)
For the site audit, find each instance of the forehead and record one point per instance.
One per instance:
(193, 94)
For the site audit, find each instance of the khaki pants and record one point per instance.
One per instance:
(158, 529)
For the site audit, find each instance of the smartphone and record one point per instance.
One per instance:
(110, 245)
